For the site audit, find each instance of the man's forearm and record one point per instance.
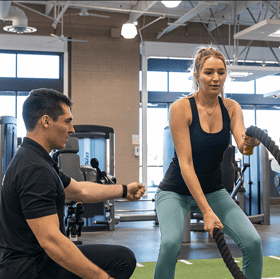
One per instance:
(99, 192)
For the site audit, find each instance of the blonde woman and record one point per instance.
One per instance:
(201, 125)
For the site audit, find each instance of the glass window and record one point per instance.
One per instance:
(11, 105)
(239, 87)
(8, 103)
(156, 121)
(267, 84)
(38, 66)
(180, 82)
(267, 120)
(8, 65)
(249, 119)
(21, 131)
(157, 81)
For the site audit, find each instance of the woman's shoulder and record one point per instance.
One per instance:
(231, 106)
(230, 103)
(182, 104)
(181, 110)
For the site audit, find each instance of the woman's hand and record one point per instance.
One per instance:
(211, 221)
(249, 143)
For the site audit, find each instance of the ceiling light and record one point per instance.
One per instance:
(129, 30)
(171, 4)
(19, 29)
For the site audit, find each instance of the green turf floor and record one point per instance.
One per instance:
(207, 269)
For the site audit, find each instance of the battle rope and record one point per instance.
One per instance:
(263, 137)
(227, 257)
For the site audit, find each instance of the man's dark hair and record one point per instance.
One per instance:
(43, 101)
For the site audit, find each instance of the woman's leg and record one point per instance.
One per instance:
(171, 211)
(241, 230)
(118, 261)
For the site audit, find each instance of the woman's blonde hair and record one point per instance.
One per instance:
(201, 55)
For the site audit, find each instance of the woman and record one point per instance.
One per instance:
(200, 125)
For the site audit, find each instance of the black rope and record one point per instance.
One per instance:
(226, 255)
(263, 137)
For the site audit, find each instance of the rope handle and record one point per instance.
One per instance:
(226, 255)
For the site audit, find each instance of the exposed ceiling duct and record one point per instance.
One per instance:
(17, 16)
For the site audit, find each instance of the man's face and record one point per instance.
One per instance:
(61, 129)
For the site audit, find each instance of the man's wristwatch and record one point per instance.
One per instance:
(124, 191)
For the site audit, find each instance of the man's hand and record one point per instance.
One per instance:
(135, 191)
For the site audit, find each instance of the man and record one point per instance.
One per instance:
(32, 239)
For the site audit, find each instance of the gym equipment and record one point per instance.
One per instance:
(226, 255)
(97, 142)
(74, 222)
(69, 163)
(8, 143)
(130, 215)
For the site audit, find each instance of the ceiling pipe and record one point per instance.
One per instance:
(17, 16)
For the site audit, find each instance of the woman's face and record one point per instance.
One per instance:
(212, 75)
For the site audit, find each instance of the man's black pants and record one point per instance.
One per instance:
(118, 261)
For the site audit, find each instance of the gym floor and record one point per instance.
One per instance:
(143, 237)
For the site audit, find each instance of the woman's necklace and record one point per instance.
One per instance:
(205, 109)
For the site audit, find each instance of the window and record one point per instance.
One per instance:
(239, 87)
(11, 105)
(268, 120)
(8, 65)
(22, 71)
(267, 84)
(37, 66)
(157, 81)
(156, 121)
(180, 82)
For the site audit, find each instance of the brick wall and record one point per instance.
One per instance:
(105, 91)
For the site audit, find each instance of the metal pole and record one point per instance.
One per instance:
(265, 184)
(144, 119)
(235, 43)
(186, 237)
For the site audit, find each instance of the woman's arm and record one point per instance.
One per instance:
(244, 143)
(180, 119)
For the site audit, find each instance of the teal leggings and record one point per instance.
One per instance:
(172, 209)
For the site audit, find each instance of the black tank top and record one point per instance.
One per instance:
(207, 153)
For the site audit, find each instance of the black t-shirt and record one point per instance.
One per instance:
(32, 188)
